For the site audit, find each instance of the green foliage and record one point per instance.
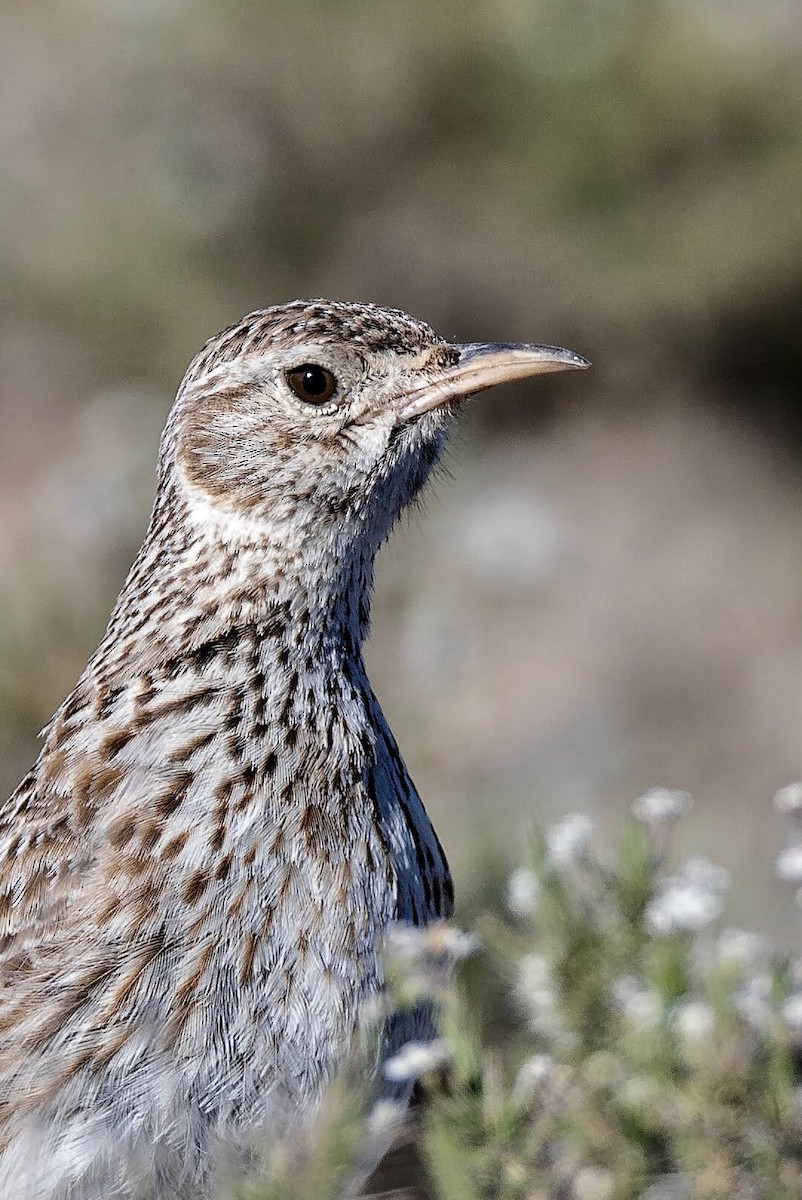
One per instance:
(650, 1053)
(659, 1063)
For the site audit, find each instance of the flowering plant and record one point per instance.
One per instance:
(658, 1058)
(645, 1050)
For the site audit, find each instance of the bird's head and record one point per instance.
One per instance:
(314, 423)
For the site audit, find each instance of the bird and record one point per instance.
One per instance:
(197, 874)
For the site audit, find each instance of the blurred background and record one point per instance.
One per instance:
(607, 594)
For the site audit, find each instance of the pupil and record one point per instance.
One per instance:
(314, 382)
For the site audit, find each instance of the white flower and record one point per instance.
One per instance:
(593, 1183)
(644, 1010)
(659, 806)
(535, 987)
(374, 1009)
(641, 1006)
(638, 1093)
(752, 1001)
(415, 1059)
(406, 943)
(789, 864)
(682, 907)
(703, 873)
(695, 1022)
(792, 1012)
(523, 892)
(537, 996)
(788, 800)
(456, 943)
(567, 841)
(385, 1116)
(532, 1073)
(795, 973)
(740, 948)
(534, 973)
(689, 901)
(668, 1187)
(410, 944)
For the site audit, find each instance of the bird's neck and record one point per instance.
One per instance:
(194, 582)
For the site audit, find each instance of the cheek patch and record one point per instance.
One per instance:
(370, 440)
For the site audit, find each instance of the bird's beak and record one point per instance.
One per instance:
(481, 365)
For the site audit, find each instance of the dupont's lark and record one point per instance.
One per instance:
(196, 874)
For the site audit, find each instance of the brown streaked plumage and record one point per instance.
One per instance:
(196, 874)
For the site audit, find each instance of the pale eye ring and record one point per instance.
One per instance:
(312, 384)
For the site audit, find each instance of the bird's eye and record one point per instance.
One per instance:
(312, 384)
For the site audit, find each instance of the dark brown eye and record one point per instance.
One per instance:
(312, 384)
